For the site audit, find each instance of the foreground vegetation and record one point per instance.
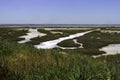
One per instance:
(23, 62)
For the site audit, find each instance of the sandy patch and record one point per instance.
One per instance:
(56, 32)
(112, 49)
(32, 33)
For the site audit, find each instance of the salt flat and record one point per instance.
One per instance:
(32, 33)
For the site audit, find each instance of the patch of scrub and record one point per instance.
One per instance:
(53, 43)
(112, 49)
(68, 43)
(75, 41)
(32, 33)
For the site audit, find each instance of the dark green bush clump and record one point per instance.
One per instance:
(68, 43)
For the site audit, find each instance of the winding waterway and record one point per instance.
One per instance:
(53, 43)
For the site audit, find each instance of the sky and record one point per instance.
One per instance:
(59, 11)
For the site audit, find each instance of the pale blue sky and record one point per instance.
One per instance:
(59, 11)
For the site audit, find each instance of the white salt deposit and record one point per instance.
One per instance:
(32, 33)
(53, 43)
(66, 47)
(111, 49)
(75, 41)
(56, 32)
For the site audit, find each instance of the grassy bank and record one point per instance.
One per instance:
(19, 62)
(113, 63)
(23, 62)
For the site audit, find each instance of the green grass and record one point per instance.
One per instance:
(113, 63)
(27, 63)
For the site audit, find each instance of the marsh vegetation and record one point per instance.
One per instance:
(25, 62)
